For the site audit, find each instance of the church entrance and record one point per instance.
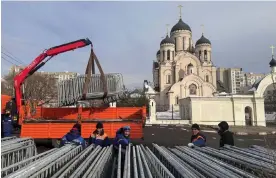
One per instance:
(248, 116)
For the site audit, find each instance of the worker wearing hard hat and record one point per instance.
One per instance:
(7, 124)
(197, 138)
(74, 136)
(99, 137)
(122, 138)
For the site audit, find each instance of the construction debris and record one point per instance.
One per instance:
(138, 161)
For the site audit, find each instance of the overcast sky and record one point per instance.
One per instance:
(127, 35)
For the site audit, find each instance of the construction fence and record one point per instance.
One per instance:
(138, 162)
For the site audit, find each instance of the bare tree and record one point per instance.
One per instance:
(39, 88)
(7, 85)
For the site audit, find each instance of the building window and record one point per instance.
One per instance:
(190, 69)
(168, 79)
(163, 55)
(168, 55)
(176, 100)
(207, 78)
(205, 55)
(192, 89)
(199, 55)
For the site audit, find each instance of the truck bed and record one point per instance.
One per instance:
(53, 123)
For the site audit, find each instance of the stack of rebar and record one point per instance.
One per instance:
(15, 149)
(71, 91)
(139, 161)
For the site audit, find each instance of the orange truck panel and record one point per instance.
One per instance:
(58, 130)
(56, 122)
(4, 100)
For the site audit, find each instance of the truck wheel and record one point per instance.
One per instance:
(56, 143)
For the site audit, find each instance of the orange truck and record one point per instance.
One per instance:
(4, 100)
(53, 123)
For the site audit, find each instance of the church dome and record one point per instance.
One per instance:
(181, 26)
(167, 40)
(272, 63)
(203, 40)
(158, 52)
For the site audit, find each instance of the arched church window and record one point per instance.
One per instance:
(176, 100)
(190, 68)
(205, 55)
(163, 55)
(168, 79)
(192, 89)
(207, 78)
(168, 55)
(199, 54)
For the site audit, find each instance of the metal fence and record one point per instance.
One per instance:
(14, 150)
(70, 91)
(167, 112)
(138, 161)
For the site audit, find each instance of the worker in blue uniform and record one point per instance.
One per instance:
(122, 138)
(197, 138)
(99, 137)
(7, 125)
(74, 136)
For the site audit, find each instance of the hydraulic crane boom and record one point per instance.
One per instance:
(38, 63)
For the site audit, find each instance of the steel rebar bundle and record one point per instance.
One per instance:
(14, 150)
(71, 91)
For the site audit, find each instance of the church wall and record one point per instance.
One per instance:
(207, 90)
(164, 71)
(212, 110)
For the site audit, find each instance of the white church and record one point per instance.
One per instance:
(183, 69)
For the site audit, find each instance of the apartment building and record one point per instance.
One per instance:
(236, 81)
(232, 78)
(251, 78)
(57, 75)
(16, 69)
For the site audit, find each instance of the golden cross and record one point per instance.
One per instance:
(202, 28)
(272, 48)
(167, 28)
(179, 6)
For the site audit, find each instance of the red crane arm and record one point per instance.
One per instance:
(38, 63)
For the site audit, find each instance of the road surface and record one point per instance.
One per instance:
(171, 136)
